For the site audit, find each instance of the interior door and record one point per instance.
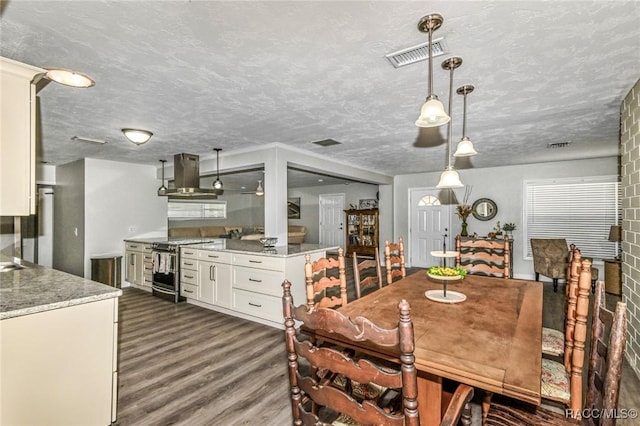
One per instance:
(430, 222)
(332, 216)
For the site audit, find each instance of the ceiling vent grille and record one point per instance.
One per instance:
(327, 142)
(418, 53)
(558, 145)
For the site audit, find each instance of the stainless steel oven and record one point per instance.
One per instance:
(166, 271)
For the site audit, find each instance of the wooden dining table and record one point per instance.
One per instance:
(491, 341)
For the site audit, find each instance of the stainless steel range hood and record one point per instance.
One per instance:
(186, 174)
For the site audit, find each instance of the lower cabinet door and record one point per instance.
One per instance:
(215, 283)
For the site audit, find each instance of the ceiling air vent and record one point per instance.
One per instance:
(418, 53)
(558, 145)
(327, 142)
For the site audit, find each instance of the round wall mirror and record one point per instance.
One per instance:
(484, 209)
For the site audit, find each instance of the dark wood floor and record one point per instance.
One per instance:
(186, 365)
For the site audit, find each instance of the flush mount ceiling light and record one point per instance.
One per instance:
(163, 189)
(218, 183)
(465, 146)
(137, 136)
(450, 178)
(69, 77)
(259, 189)
(432, 113)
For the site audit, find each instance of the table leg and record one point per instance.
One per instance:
(429, 399)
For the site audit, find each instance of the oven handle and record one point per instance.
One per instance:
(160, 290)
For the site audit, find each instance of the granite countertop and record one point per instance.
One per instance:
(255, 247)
(37, 288)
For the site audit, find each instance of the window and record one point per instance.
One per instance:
(580, 210)
(429, 200)
(181, 210)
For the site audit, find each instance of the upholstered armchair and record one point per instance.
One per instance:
(550, 258)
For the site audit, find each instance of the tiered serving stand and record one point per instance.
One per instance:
(443, 295)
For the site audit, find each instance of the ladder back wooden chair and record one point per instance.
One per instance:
(489, 257)
(326, 281)
(367, 272)
(322, 397)
(561, 382)
(394, 260)
(558, 342)
(608, 339)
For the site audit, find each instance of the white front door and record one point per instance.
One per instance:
(332, 218)
(430, 222)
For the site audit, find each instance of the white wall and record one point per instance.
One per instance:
(120, 201)
(504, 185)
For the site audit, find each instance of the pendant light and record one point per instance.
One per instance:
(465, 146)
(450, 178)
(260, 189)
(218, 183)
(163, 189)
(432, 113)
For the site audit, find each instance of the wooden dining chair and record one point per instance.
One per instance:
(489, 257)
(326, 281)
(325, 402)
(367, 272)
(394, 260)
(561, 382)
(555, 341)
(608, 338)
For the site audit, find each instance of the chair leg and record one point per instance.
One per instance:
(555, 285)
(486, 403)
(465, 419)
(593, 286)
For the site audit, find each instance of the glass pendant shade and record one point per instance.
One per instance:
(218, 183)
(259, 189)
(163, 189)
(465, 148)
(432, 113)
(450, 179)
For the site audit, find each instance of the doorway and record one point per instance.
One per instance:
(331, 226)
(430, 221)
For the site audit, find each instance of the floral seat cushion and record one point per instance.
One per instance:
(552, 342)
(554, 381)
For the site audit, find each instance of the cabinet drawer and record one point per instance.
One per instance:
(147, 249)
(147, 257)
(258, 305)
(147, 269)
(134, 246)
(214, 256)
(188, 253)
(189, 277)
(147, 281)
(190, 264)
(189, 290)
(262, 262)
(258, 280)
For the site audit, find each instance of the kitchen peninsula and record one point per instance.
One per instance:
(58, 355)
(240, 277)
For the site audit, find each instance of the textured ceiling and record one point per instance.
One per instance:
(242, 74)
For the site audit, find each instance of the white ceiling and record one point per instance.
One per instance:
(242, 74)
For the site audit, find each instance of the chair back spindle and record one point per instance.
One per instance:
(394, 260)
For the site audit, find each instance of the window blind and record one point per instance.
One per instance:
(582, 212)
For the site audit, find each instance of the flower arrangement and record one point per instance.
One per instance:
(464, 209)
(509, 227)
(497, 229)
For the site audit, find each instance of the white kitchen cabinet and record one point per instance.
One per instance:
(139, 264)
(59, 367)
(214, 271)
(189, 285)
(17, 138)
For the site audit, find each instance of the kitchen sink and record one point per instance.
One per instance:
(10, 266)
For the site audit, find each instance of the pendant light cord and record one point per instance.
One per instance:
(450, 128)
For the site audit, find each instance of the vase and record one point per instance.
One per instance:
(464, 232)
